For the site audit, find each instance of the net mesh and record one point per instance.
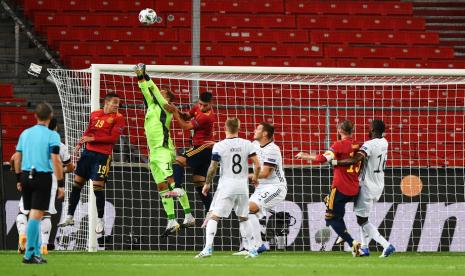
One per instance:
(422, 208)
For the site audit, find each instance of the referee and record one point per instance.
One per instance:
(38, 157)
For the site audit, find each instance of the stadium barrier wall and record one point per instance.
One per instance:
(410, 223)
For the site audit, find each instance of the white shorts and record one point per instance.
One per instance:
(51, 206)
(223, 204)
(268, 196)
(365, 202)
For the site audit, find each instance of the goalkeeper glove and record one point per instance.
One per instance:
(139, 69)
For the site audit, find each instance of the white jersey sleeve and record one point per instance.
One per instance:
(64, 154)
(372, 176)
(233, 155)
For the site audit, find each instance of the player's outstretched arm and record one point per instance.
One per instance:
(359, 156)
(181, 122)
(210, 175)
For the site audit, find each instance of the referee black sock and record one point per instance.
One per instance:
(74, 198)
(206, 200)
(99, 200)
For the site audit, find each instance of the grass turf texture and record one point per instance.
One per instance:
(222, 263)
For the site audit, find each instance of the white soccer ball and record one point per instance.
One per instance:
(147, 16)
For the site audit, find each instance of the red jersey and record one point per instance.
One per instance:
(203, 125)
(345, 178)
(106, 129)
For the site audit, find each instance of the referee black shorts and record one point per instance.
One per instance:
(199, 158)
(36, 191)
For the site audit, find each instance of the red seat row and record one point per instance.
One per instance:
(31, 6)
(44, 20)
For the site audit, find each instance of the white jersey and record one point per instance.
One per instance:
(372, 176)
(270, 155)
(65, 157)
(233, 155)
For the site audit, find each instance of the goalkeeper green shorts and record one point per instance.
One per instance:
(161, 163)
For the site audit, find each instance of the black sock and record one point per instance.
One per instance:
(100, 201)
(178, 175)
(340, 228)
(74, 199)
(206, 200)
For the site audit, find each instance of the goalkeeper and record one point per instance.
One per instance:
(162, 152)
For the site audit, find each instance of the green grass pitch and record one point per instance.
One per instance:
(222, 263)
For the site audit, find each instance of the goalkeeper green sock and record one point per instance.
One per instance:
(183, 200)
(168, 204)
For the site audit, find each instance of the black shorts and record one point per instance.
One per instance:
(93, 165)
(336, 204)
(36, 191)
(199, 158)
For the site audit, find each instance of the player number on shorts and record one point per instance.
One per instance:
(381, 160)
(102, 169)
(236, 168)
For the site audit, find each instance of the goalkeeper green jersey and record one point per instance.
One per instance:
(157, 119)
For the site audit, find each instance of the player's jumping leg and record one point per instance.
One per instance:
(247, 236)
(168, 205)
(100, 203)
(199, 181)
(183, 199)
(335, 211)
(368, 231)
(255, 228)
(74, 198)
(21, 222)
(45, 228)
(210, 231)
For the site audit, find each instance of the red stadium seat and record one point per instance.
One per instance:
(6, 90)
(247, 21)
(351, 22)
(242, 6)
(381, 37)
(349, 7)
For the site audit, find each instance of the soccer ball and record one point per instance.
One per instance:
(147, 16)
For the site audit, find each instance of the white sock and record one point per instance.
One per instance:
(45, 228)
(21, 223)
(245, 229)
(212, 225)
(374, 233)
(256, 229)
(364, 237)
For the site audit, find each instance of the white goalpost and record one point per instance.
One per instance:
(422, 209)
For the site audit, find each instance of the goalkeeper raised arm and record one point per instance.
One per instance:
(162, 152)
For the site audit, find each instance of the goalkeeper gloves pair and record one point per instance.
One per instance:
(139, 69)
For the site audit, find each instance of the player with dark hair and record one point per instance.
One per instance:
(162, 152)
(345, 185)
(272, 185)
(37, 159)
(102, 133)
(200, 119)
(373, 153)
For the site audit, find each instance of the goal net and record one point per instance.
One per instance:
(423, 205)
